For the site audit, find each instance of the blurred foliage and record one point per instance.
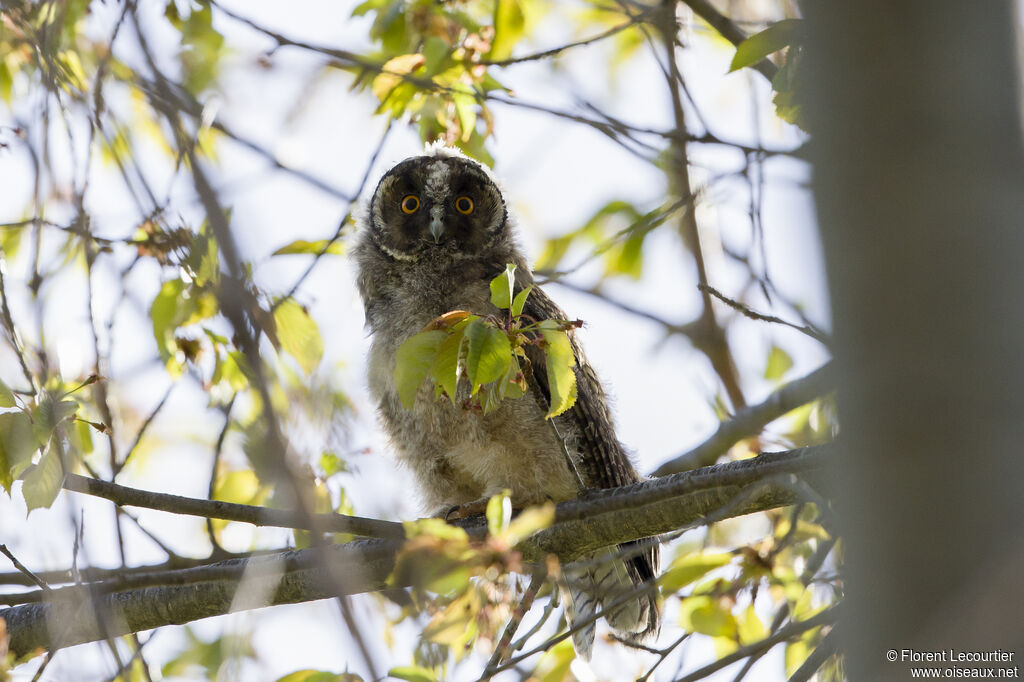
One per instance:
(437, 66)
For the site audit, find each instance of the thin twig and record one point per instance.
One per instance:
(23, 569)
(503, 649)
(746, 311)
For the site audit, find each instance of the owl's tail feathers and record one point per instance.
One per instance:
(611, 586)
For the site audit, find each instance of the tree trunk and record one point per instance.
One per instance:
(919, 181)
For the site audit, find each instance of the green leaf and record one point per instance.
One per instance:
(512, 385)
(43, 482)
(520, 301)
(434, 53)
(299, 335)
(778, 364)
(689, 568)
(169, 309)
(331, 464)
(707, 616)
(751, 629)
(445, 370)
(392, 74)
(413, 673)
(488, 353)
(6, 396)
(436, 528)
(529, 522)
(509, 26)
(465, 110)
(559, 361)
(327, 246)
(499, 512)
(413, 362)
(17, 445)
(502, 287)
(319, 676)
(455, 625)
(760, 45)
(553, 665)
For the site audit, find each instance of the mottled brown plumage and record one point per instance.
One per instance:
(415, 265)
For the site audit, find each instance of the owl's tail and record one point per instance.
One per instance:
(621, 590)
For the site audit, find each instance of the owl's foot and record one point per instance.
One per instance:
(461, 511)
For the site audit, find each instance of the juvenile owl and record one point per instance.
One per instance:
(435, 233)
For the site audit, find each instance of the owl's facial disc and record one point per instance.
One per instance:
(436, 202)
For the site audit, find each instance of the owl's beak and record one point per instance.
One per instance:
(436, 229)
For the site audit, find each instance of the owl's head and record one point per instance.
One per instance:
(440, 200)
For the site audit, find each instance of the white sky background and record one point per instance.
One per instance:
(556, 175)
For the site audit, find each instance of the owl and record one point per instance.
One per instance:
(434, 234)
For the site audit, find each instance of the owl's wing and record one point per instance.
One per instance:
(602, 463)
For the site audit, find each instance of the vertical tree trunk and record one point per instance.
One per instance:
(919, 180)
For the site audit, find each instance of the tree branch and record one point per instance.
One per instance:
(730, 31)
(229, 511)
(596, 520)
(749, 421)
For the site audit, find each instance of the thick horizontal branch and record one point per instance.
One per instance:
(214, 509)
(749, 422)
(74, 615)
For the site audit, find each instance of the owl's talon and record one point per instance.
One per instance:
(462, 511)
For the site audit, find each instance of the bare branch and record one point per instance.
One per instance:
(258, 516)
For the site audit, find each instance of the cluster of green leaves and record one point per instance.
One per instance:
(616, 233)
(434, 60)
(41, 435)
(716, 591)
(189, 299)
(201, 45)
(488, 353)
(781, 35)
(461, 584)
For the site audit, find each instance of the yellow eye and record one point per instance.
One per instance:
(464, 205)
(410, 204)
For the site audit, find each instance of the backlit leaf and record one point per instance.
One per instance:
(519, 301)
(488, 353)
(413, 361)
(299, 334)
(778, 364)
(559, 363)
(760, 45)
(327, 246)
(43, 482)
(445, 370)
(708, 616)
(6, 396)
(509, 25)
(413, 673)
(393, 72)
(553, 665)
(502, 287)
(17, 445)
(319, 676)
(499, 512)
(690, 568)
